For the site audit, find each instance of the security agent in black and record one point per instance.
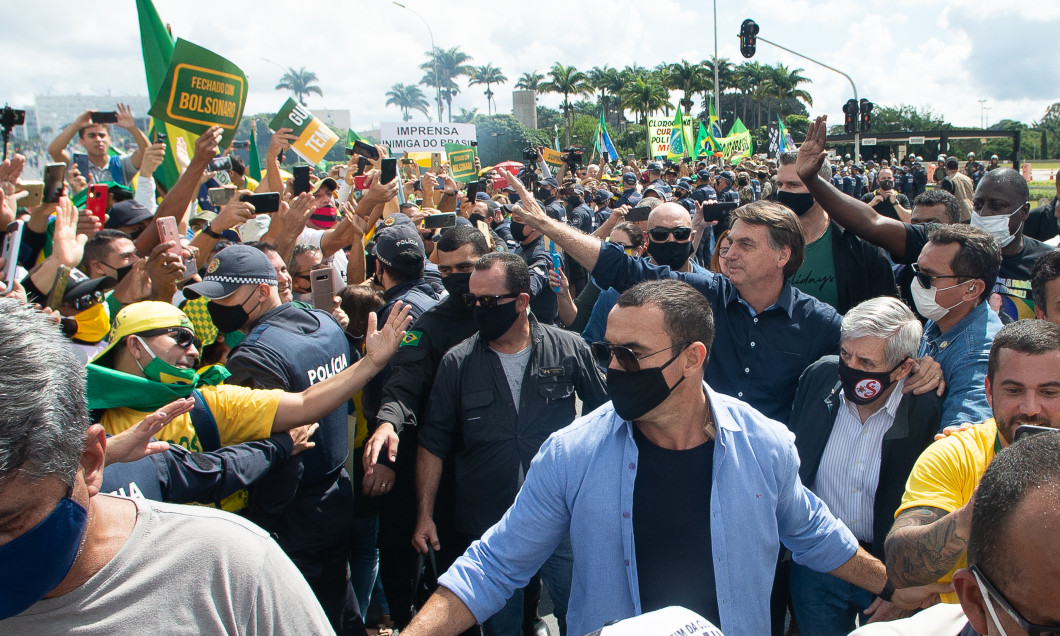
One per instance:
(532, 250)
(548, 193)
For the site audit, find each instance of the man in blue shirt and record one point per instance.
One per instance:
(640, 544)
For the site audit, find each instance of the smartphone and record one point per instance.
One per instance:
(442, 219)
(557, 264)
(105, 117)
(96, 202)
(34, 193)
(220, 196)
(473, 189)
(54, 173)
(12, 242)
(717, 211)
(359, 181)
(241, 143)
(55, 296)
(388, 170)
(638, 213)
(364, 149)
(266, 203)
(323, 288)
(81, 161)
(167, 231)
(301, 179)
(190, 269)
(218, 164)
(1026, 430)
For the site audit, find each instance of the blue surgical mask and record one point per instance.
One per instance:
(36, 562)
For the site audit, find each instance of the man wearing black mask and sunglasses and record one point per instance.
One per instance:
(497, 396)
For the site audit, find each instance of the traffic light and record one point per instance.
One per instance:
(850, 116)
(748, 31)
(866, 115)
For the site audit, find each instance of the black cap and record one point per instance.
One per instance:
(230, 269)
(551, 181)
(125, 213)
(400, 242)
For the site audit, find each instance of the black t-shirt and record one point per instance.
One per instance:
(885, 207)
(671, 528)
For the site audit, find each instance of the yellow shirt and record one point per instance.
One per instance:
(946, 475)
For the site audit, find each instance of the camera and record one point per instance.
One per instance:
(530, 155)
(9, 118)
(572, 156)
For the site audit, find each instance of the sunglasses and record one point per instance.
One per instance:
(629, 361)
(995, 594)
(486, 301)
(88, 300)
(926, 279)
(184, 338)
(659, 234)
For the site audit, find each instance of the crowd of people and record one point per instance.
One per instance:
(309, 398)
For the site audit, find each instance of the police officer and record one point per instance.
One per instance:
(655, 180)
(548, 194)
(404, 404)
(580, 216)
(602, 207)
(682, 195)
(629, 195)
(291, 348)
(704, 191)
(726, 193)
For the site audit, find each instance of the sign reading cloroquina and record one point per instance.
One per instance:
(201, 89)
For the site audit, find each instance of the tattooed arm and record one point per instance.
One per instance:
(925, 543)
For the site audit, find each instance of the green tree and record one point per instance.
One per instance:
(488, 75)
(465, 115)
(644, 97)
(502, 137)
(568, 81)
(608, 81)
(784, 85)
(687, 77)
(529, 81)
(300, 82)
(450, 64)
(547, 118)
(407, 97)
(1050, 125)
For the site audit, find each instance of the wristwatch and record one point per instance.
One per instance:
(888, 591)
(208, 231)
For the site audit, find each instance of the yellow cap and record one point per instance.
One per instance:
(140, 317)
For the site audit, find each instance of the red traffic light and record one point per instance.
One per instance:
(748, 41)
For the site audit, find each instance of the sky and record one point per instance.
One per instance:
(943, 55)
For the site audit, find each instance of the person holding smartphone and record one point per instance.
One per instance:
(96, 139)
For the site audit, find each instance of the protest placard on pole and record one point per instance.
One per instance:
(660, 131)
(201, 89)
(461, 163)
(552, 157)
(420, 137)
(314, 138)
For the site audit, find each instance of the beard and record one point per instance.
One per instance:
(1006, 427)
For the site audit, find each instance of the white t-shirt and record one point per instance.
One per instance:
(339, 260)
(184, 570)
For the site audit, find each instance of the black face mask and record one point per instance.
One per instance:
(670, 253)
(543, 194)
(475, 218)
(799, 202)
(887, 184)
(228, 319)
(518, 231)
(493, 323)
(862, 387)
(457, 285)
(635, 393)
(574, 201)
(120, 272)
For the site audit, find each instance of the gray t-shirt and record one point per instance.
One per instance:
(514, 365)
(184, 570)
(103, 175)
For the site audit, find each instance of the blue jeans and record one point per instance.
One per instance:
(364, 559)
(556, 573)
(825, 605)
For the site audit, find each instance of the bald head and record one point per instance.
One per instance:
(669, 215)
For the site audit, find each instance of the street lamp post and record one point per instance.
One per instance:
(982, 114)
(434, 55)
(717, 104)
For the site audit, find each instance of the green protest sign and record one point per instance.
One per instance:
(461, 162)
(201, 89)
(314, 139)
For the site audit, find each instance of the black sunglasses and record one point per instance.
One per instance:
(629, 361)
(1025, 625)
(486, 302)
(88, 300)
(926, 279)
(659, 234)
(182, 336)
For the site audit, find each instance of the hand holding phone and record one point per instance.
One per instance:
(301, 179)
(96, 202)
(54, 174)
(265, 203)
(167, 231)
(388, 170)
(104, 117)
(323, 288)
(365, 150)
(217, 164)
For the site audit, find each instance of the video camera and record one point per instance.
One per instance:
(9, 118)
(530, 155)
(572, 156)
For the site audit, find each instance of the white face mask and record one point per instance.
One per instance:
(997, 226)
(989, 601)
(924, 299)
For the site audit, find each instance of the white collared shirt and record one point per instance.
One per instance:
(850, 465)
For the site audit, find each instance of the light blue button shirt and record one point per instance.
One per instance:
(581, 482)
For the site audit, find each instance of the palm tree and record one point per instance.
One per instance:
(567, 80)
(488, 74)
(407, 97)
(688, 78)
(529, 81)
(449, 65)
(645, 96)
(725, 79)
(300, 83)
(466, 115)
(748, 77)
(785, 83)
(606, 80)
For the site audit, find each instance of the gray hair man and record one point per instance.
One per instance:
(71, 557)
(858, 436)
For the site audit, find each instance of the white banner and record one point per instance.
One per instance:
(430, 137)
(660, 136)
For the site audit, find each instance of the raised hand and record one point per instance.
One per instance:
(137, 442)
(382, 344)
(812, 152)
